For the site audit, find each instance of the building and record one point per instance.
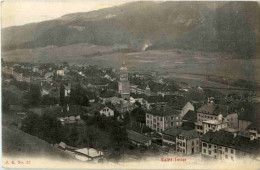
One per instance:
(223, 145)
(124, 106)
(190, 116)
(60, 73)
(123, 84)
(254, 131)
(160, 119)
(67, 90)
(139, 139)
(185, 142)
(140, 98)
(243, 122)
(152, 102)
(212, 111)
(107, 112)
(88, 154)
(213, 125)
(183, 106)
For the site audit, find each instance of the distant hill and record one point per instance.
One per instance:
(207, 26)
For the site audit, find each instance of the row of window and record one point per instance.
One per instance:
(160, 118)
(215, 150)
(209, 117)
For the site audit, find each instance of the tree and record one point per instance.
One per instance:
(127, 118)
(62, 95)
(6, 101)
(29, 125)
(118, 135)
(48, 100)
(45, 127)
(79, 96)
(34, 95)
(138, 114)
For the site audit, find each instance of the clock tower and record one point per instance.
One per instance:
(123, 84)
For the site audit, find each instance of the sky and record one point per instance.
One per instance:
(20, 13)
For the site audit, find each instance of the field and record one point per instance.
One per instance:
(186, 65)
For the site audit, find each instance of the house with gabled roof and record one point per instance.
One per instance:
(107, 111)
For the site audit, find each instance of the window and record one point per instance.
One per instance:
(205, 144)
(147, 116)
(232, 151)
(192, 143)
(204, 150)
(215, 150)
(226, 149)
(215, 156)
(232, 158)
(172, 118)
(183, 144)
(209, 152)
(171, 123)
(209, 145)
(226, 156)
(161, 119)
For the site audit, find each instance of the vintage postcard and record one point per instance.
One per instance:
(130, 84)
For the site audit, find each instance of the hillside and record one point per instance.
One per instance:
(19, 144)
(231, 28)
(207, 26)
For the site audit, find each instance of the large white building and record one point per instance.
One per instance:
(162, 118)
(228, 146)
(215, 117)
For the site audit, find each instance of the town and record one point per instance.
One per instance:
(114, 114)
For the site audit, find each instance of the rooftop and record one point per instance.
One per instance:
(166, 111)
(156, 99)
(215, 122)
(214, 109)
(107, 94)
(190, 116)
(227, 139)
(138, 137)
(90, 152)
(188, 134)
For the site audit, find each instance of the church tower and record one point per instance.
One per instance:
(123, 84)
